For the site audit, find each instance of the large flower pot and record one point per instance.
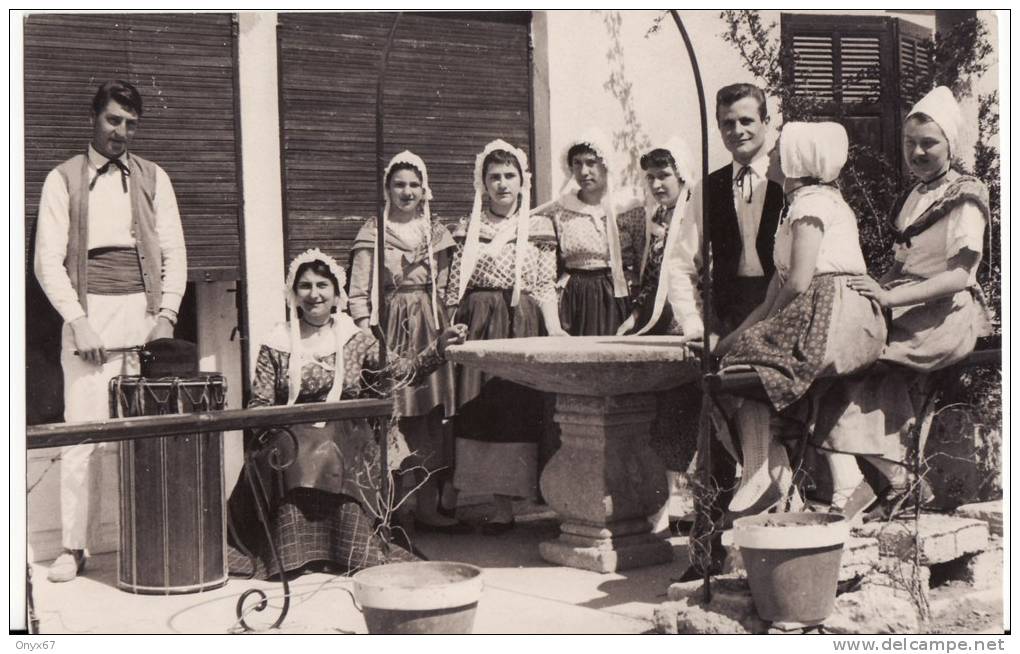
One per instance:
(423, 597)
(792, 562)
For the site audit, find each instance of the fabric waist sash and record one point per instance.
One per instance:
(589, 271)
(114, 271)
(413, 288)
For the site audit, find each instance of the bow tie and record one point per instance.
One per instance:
(745, 184)
(124, 172)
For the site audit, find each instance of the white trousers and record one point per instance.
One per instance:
(120, 321)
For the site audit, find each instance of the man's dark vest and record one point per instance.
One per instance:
(724, 232)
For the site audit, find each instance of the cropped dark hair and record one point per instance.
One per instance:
(498, 158)
(120, 91)
(580, 148)
(727, 95)
(658, 158)
(321, 269)
(397, 167)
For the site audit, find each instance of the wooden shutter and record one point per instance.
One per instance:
(455, 82)
(917, 71)
(865, 71)
(814, 66)
(184, 67)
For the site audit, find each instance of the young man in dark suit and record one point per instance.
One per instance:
(744, 208)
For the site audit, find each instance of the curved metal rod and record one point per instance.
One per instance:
(261, 498)
(378, 294)
(704, 425)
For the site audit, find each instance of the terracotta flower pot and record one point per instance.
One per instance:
(792, 562)
(423, 597)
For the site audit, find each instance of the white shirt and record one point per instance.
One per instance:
(683, 261)
(749, 213)
(109, 225)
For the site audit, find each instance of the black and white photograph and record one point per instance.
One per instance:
(553, 322)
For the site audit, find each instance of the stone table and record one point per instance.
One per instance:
(605, 481)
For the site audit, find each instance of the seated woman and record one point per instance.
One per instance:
(325, 507)
(811, 324)
(502, 285)
(599, 242)
(937, 308)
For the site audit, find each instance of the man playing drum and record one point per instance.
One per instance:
(110, 256)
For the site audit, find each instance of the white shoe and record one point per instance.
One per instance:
(67, 566)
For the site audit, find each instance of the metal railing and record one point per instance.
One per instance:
(124, 429)
(263, 421)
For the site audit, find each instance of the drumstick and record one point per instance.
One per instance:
(117, 350)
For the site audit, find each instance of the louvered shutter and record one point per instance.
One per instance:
(863, 71)
(814, 67)
(183, 65)
(455, 82)
(860, 69)
(916, 66)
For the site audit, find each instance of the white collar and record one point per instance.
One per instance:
(573, 203)
(759, 165)
(98, 159)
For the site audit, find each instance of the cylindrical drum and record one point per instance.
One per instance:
(172, 513)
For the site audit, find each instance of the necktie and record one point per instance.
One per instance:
(744, 182)
(124, 172)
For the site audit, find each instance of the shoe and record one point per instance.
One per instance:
(67, 566)
(496, 528)
(455, 529)
(899, 501)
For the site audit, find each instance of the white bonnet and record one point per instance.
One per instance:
(817, 150)
(941, 106)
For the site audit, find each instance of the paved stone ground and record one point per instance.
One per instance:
(522, 594)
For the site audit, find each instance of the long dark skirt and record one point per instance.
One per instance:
(488, 315)
(498, 422)
(588, 306)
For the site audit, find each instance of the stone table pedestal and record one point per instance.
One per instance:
(605, 481)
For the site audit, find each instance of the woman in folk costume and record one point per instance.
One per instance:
(502, 285)
(669, 306)
(812, 324)
(417, 264)
(937, 308)
(325, 508)
(600, 241)
(663, 305)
